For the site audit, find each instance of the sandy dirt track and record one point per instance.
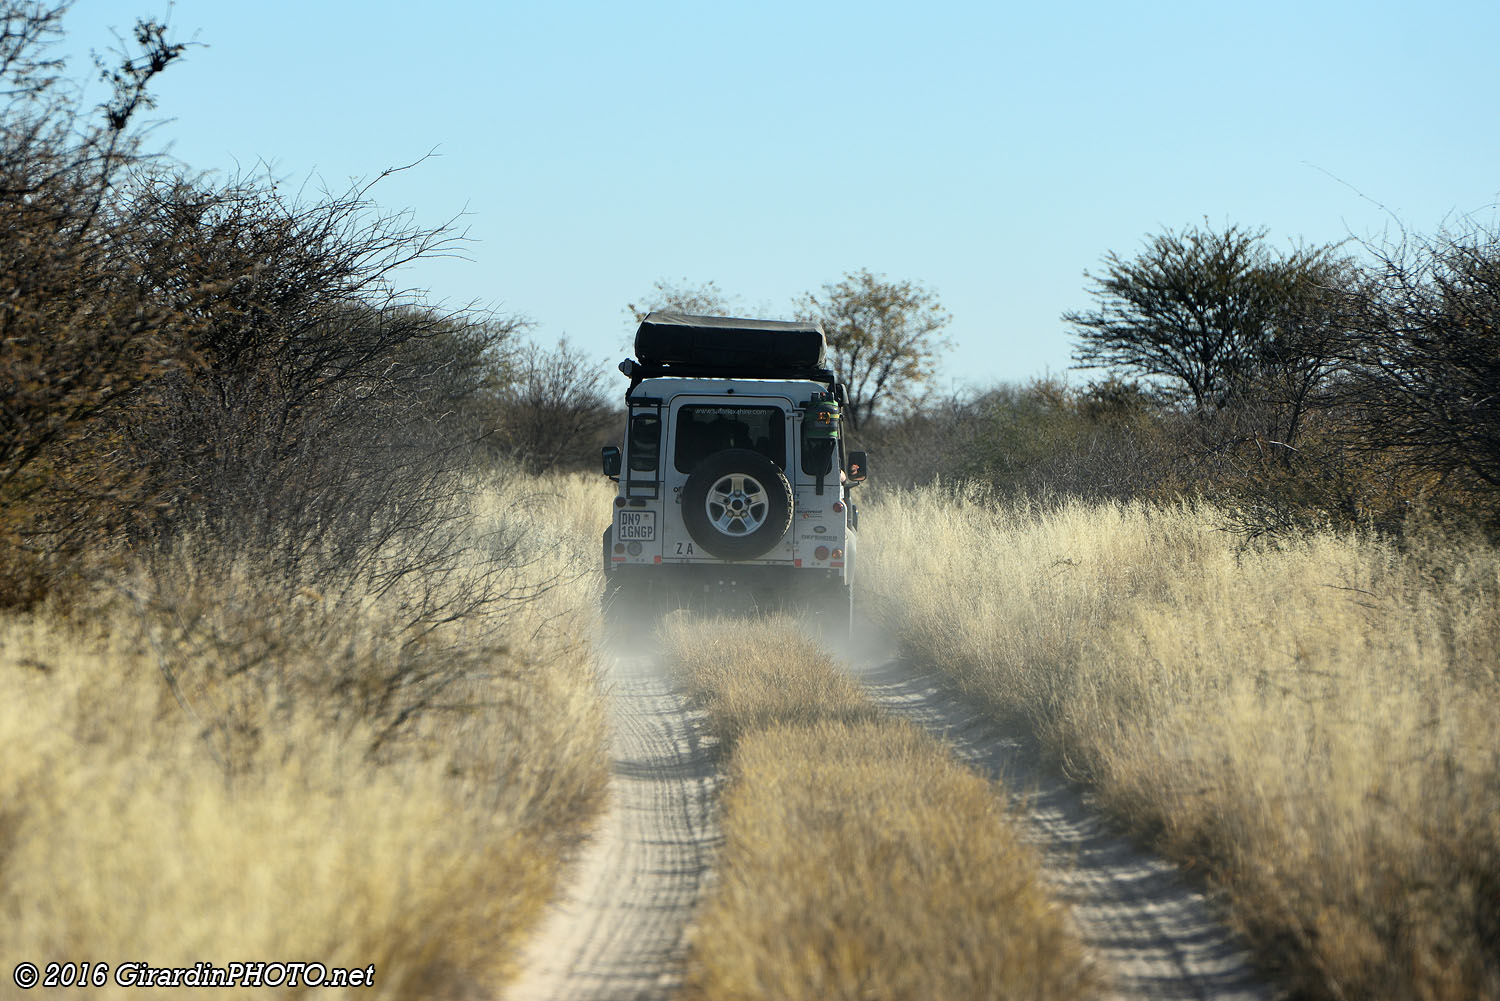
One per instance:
(1155, 936)
(618, 932)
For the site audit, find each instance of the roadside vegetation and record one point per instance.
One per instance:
(1244, 582)
(860, 860)
(285, 675)
(1308, 723)
(205, 760)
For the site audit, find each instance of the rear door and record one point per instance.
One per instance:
(701, 427)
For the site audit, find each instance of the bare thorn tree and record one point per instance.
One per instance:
(554, 410)
(885, 337)
(704, 299)
(1425, 362)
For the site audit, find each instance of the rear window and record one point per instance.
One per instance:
(704, 430)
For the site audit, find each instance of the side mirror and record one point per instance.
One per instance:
(859, 467)
(611, 457)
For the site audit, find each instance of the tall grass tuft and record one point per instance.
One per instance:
(1310, 723)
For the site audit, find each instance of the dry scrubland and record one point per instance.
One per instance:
(207, 762)
(1311, 724)
(860, 860)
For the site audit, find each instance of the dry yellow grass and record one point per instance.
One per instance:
(1313, 724)
(860, 860)
(752, 674)
(315, 784)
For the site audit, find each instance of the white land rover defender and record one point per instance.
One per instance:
(734, 480)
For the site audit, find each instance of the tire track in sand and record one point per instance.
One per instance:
(1155, 936)
(617, 933)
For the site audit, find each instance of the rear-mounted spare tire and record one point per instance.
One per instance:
(737, 504)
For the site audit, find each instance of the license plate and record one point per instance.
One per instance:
(637, 526)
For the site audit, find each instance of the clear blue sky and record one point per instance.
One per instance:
(991, 151)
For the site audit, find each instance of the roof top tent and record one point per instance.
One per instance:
(679, 344)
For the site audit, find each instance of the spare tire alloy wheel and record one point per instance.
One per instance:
(737, 504)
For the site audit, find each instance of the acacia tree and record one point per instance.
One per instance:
(1217, 321)
(885, 337)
